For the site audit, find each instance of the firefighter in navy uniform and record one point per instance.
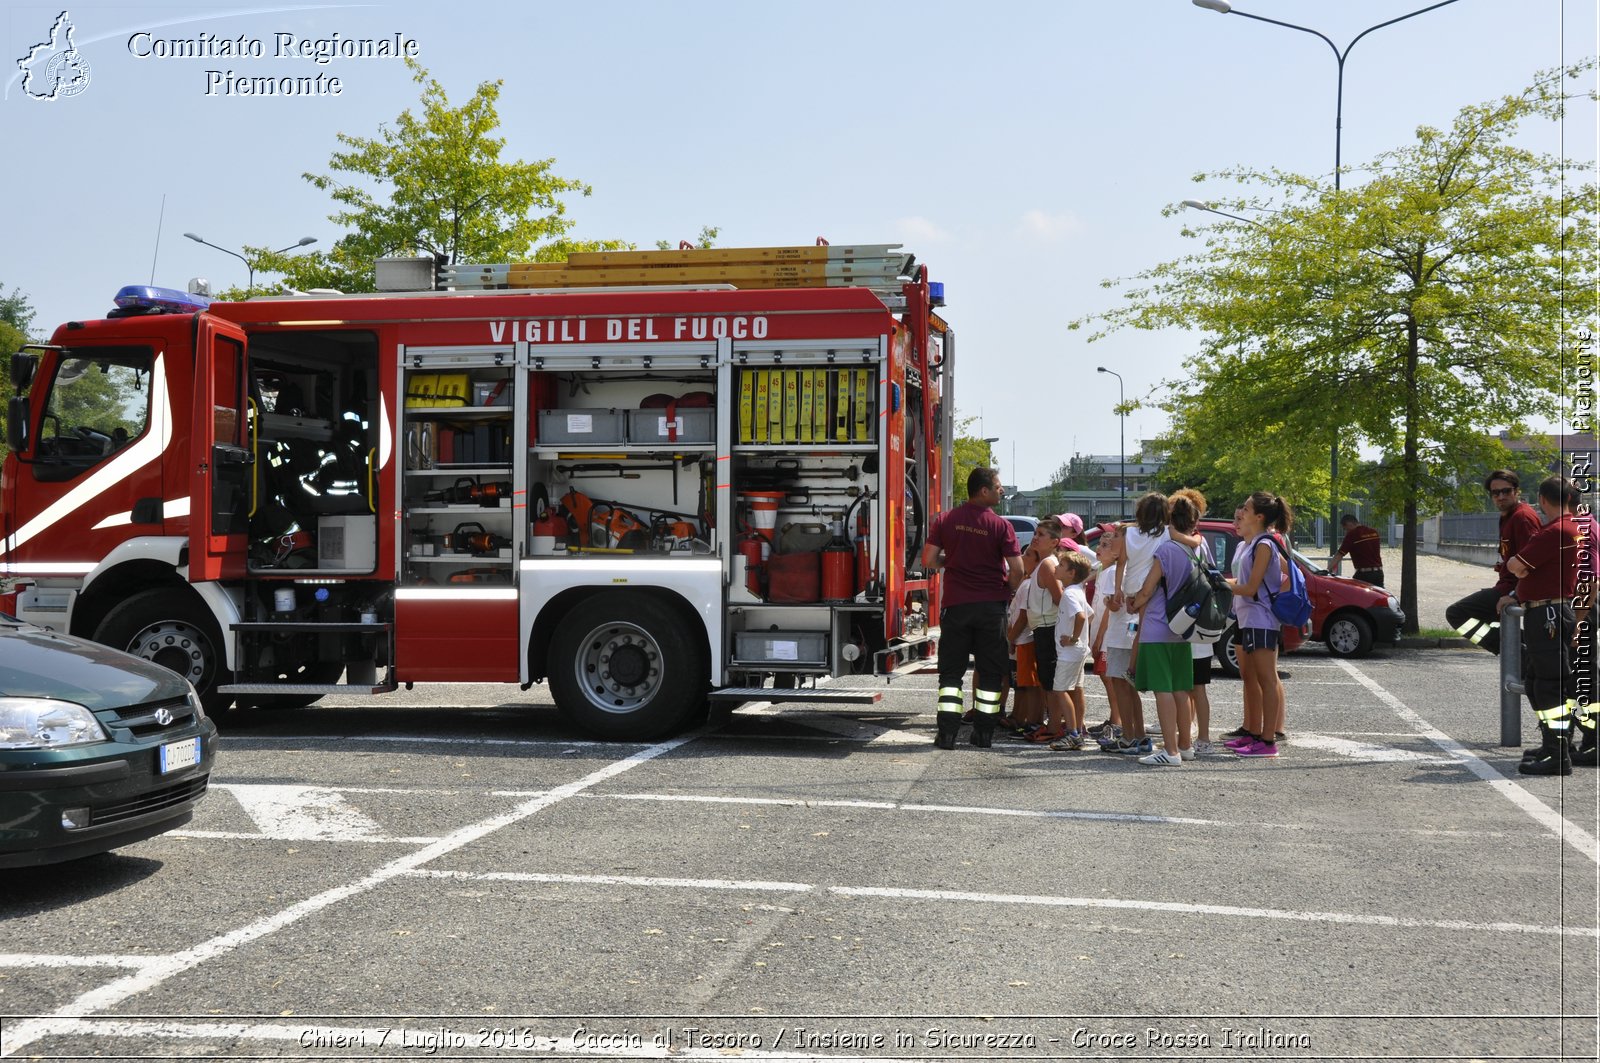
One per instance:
(1546, 569)
(977, 549)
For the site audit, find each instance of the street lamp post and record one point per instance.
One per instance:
(302, 242)
(988, 450)
(1224, 7)
(1122, 433)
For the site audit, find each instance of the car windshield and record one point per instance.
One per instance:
(1308, 563)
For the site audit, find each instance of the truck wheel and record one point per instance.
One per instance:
(625, 665)
(172, 628)
(1348, 635)
(1226, 651)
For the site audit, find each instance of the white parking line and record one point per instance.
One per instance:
(1118, 817)
(1541, 813)
(958, 896)
(16, 1036)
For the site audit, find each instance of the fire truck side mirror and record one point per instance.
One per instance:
(22, 367)
(17, 424)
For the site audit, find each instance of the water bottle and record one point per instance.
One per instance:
(1133, 626)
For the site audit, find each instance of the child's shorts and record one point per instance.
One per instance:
(1027, 669)
(1069, 667)
(1164, 667)
(1119, 660)
(1252, 639)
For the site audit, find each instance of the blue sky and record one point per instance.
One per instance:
(1023, 150)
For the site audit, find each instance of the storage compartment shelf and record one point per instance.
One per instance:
(806, 448)
(462, 470)
(445, 413)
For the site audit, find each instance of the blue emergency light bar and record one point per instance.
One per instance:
(936, 293)
(160, 300)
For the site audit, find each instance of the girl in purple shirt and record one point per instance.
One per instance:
(1257, 573)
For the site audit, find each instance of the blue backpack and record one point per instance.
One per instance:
(1291, 604)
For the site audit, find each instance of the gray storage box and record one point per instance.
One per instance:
(780, 648)
(583, 427)
(651, 426)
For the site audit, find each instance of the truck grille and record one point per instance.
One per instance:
(155, 801)
(143, 719)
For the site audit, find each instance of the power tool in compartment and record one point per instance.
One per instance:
(473, 538)
(467, 490)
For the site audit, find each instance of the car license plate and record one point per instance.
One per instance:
(175, 755)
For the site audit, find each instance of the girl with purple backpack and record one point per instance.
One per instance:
(1257, 575)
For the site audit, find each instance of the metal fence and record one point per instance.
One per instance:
(1476, 529)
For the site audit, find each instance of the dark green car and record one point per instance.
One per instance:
(98, 749)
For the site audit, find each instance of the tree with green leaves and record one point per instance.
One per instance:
(436, 183)
(16, 318)
(1411, 313)
(967, 452)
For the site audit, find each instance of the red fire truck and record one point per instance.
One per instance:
(650, 479)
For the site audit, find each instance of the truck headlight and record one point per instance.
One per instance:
(43, 723)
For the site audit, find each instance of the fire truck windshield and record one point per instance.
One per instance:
(98, 402)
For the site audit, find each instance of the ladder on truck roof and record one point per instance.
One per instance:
(883, 268)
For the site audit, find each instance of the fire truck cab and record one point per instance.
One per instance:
(648, 494)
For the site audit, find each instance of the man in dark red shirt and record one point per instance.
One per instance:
(1477, 616)
(977, 550)
(1546, 569)
(1362, 545)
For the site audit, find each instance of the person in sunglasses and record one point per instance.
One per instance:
(1477, 616)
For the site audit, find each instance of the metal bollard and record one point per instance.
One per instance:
(1511, 688)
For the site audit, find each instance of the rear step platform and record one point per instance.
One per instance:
(307, 688)
(806, 694)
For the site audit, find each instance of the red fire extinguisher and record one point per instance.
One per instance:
(753, 547)
(838, 564)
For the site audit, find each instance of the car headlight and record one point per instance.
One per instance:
(196, 705)
(1394, 604)
(42, 723)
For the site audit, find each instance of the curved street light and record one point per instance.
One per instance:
(1224, 7)
(1122, 433)
(302, 242)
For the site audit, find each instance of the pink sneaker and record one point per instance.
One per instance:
(1241, 742)
(1257, 749)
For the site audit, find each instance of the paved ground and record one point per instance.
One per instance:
(454, 868)
(1440, 581)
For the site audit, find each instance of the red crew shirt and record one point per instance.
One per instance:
(1516, 528)
(1361, 545)
(1552, 559)
(976, 542)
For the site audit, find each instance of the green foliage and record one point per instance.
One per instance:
(16, 318)
(707, 238)
(435, 184)
(967, 453)
(1413, 314)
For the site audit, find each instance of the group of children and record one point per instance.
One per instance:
(1057, 636)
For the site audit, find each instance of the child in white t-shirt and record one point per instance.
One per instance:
(1072, 639)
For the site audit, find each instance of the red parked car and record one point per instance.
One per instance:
(1351, 616)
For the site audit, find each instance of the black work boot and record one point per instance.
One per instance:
(1588, 754)
(1553, 758)
(983, 729)
(949, 727)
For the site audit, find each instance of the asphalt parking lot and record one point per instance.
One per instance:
(453, 873)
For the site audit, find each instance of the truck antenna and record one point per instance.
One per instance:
(157, 252)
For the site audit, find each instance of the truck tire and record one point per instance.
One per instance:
(171, 627)
(1348, 634)
(625, 665)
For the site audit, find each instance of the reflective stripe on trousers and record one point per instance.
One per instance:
(1475, 630)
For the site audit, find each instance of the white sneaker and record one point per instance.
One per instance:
(1204, 749)
(1161, 759)
(1186, 754)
